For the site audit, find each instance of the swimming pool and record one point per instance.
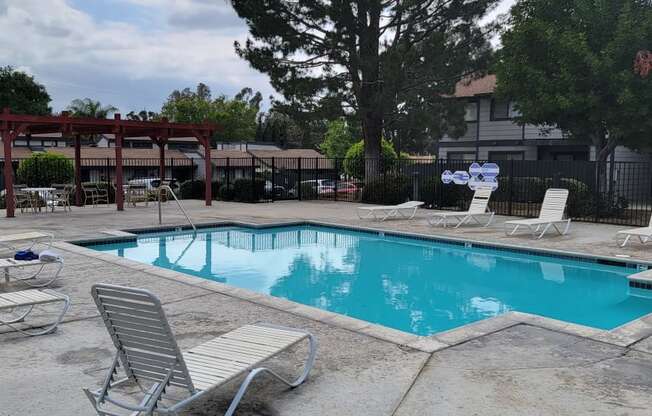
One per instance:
(410, 284)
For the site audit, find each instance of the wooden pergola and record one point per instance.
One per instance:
(14, 125)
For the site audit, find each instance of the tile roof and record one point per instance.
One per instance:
(473, 87)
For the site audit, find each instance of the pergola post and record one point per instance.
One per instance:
(8, 168)
(78, 181)
(119, 194)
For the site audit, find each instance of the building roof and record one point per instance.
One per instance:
(97, 156)
(16, 152)
(236, 158)
(288, 159)
(473, 87)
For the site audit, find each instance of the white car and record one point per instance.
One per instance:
(323, 186)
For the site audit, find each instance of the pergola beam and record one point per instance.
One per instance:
(12, 125)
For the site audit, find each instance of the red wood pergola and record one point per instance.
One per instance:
(14, 125)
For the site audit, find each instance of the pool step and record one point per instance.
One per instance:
(640, 284)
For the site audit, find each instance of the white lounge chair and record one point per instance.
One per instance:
(10, 241)
(381, 212)
(6, 265)
(478, 208)
(10, 302)
(147, 352)
(551, 215)
(644, 234)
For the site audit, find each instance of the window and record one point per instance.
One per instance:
(460, 155)
(141, 145)
(494, 156)
(471, 112)
(499, 110)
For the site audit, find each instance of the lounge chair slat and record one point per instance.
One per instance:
(212, 362)
(123, 295)
(121, 317)
(244, 345)
(132, 339)
(225, 355)
(156, 337)
(259, 330)
(131, 311)
(275, 342)
(135, 306)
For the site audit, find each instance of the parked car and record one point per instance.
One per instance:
(279, 191)
(323, 186)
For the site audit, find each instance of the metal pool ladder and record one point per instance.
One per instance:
(171, 192)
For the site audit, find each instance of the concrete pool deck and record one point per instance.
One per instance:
(515, 369)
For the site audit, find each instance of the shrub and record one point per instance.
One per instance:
(247, 190)
(439, 195)
(389, 190)
(44, 169)
(226, 193)
(354, 161)
(192, 189)
(308, 191)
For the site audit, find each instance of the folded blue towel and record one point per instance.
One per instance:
(25, 255)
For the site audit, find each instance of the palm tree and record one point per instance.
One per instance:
(91, 109)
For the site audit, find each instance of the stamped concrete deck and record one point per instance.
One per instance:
(518, 369)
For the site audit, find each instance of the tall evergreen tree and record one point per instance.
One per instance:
(369, 57)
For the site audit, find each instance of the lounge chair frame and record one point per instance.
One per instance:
(478, 208)
(551, 215)
(126, 335)
(383, 212)
(9, 263)
(644, 234)
(29, 299)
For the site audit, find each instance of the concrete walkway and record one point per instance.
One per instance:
(520, 370)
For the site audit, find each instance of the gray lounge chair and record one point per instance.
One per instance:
(11, 241)
(147, 351)
(8, 264)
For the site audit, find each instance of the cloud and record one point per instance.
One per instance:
(68, 49)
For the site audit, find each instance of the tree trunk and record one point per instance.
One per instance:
(370, 91)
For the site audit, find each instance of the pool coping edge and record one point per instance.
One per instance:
(625, 335)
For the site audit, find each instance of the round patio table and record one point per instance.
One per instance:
(44, 193)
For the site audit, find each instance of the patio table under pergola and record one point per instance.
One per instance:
(14, 125)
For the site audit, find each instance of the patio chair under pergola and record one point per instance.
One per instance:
(14, 125)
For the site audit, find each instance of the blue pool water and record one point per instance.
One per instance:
(409, 284)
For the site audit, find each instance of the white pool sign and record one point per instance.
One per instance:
(475, 182)
(477, 176)
(475, 170)
(491, 183)
(490, 170)
(461, 177)
(447, 176)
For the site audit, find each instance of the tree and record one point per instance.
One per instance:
(22, 94)
(337, 140)
(237, 116)
(90, 108)
(44, 169)
(143, 115)
(568, 64)
(366, 57)
(354, 161)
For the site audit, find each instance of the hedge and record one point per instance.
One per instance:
(388, 190)
(45, 169)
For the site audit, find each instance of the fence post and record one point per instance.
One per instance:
(299, 178)
(253, 179)
(337, 177)
(273, 178)
(415, 186)
(510, 187)
(171, 169)
(596, 192)
(228, 174)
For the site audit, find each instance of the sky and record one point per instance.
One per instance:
(128, 53)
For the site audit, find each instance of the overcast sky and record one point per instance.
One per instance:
(128, 53)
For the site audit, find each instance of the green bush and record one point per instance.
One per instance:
(354, 161)
(247, 190)
(45, 169)
(192, 189)
(388, 190)
(308, 191)
(433, 192)
(226, 193)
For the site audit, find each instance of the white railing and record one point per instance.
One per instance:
(171, 192)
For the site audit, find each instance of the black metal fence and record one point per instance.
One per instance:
(616, 193)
